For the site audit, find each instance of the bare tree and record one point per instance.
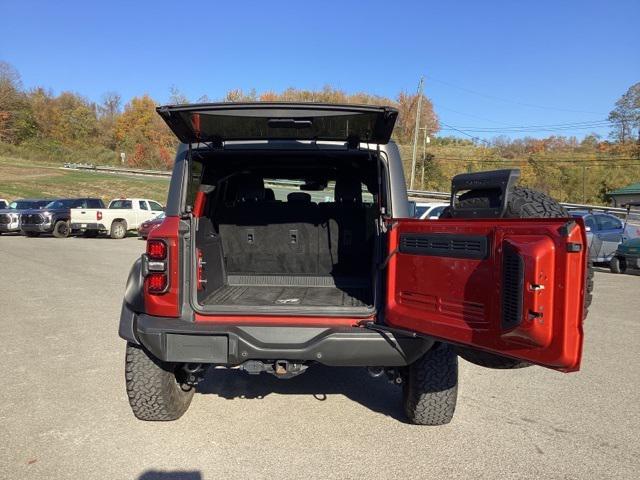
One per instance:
(626, 115)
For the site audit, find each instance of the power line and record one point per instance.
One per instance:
(527, 130)
(515, 102)
(464, 133)
(548, 125)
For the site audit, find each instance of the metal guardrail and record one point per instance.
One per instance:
(121, 170)
(416, 194)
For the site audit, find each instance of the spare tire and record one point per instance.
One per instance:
(522, 203)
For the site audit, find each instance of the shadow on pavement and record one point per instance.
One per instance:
(176, 475)
(319, 381)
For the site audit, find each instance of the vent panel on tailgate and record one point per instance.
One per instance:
(445, 245)
(512, 288)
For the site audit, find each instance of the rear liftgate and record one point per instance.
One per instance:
(514, 287)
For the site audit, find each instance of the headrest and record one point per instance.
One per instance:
(299, 197)
(269, 196)
(250, 188)
(348, 190)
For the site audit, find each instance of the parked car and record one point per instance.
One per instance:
(54, 217)
(146, 227)
(10, 216)
(627, 257)
(123, 214)
(233, 278)
(3, 203)
(604, 233)
(430, 210)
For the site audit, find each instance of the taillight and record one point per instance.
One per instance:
(161, 267)
(157, 279)
(156, 250)
(98, 215)
(157, 282)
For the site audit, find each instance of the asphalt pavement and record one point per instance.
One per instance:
(64, 411)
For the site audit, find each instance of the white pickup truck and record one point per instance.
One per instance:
(121, 215)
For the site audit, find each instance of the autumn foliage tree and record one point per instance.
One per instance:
(141, 132)
(15, 113)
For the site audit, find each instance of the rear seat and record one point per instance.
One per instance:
(346, 239)
(264, 236)
(296, 237)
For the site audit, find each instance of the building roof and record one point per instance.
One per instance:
(628, 190)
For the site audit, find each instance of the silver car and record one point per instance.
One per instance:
(605, 232)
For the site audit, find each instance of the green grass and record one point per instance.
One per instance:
(24, 179)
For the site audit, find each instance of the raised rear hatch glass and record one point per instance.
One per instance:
(219, 122)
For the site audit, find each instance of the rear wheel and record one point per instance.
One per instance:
(430, 387)
(154, 388)
(118, 230)
(61, 229)
(618, 265)
(523, 203)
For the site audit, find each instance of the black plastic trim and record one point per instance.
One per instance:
(492, 182)
(445, 245)
(174, 340)
(512, 288)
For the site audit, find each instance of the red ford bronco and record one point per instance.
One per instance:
(243, 275)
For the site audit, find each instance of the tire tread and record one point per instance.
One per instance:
(430, 390)
(153, 392)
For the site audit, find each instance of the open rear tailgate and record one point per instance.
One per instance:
(219, 122)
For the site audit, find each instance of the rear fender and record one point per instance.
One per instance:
(133, 302)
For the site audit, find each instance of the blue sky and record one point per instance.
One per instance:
(487, 65)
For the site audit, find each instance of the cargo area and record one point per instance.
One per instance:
(310, 246)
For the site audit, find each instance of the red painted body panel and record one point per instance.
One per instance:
(166, 304)
(459, 299)
(199, 203)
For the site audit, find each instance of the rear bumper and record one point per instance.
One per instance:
(175, 340)
(88, 226)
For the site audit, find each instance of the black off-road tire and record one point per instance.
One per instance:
(61, 229)
(118, 230)
(31, 234)
(154, 392)
(523, 203)
(430, 387)
(617, 265)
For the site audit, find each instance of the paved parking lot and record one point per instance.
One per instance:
(64, 412)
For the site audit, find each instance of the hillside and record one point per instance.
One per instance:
(20, 178)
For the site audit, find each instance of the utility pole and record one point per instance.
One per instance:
(416, 134)
(425, 140)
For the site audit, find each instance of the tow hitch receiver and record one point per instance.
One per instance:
(279, 368)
